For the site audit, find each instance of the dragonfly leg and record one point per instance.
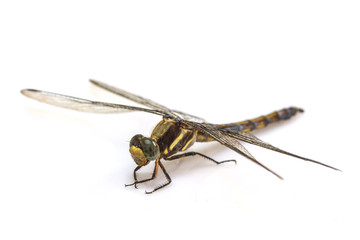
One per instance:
(188, 154)
(167, 177)
(135, 178)
(145, 180)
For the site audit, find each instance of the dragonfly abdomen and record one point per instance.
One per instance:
(255, 123)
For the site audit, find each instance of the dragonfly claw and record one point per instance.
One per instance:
(131, 184)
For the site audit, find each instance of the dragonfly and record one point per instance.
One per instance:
(176, 132)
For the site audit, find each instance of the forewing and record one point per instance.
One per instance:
(147, 102)
(82, 105)
(250, 138)
(188, 117)
(228, 141)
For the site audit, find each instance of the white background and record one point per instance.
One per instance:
(62, 173)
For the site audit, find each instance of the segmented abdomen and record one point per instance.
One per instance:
(256, 123)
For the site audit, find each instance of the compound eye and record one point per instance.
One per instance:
(150, 149)
(135, 140)
(143, 150)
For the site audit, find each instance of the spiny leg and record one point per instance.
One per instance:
(167, 177)
(135, 177)
(188, 154)
(145, 180)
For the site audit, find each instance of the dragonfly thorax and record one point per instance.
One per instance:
(143, 149)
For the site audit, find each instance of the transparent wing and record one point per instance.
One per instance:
(146, 102)
(188, 117)
(228, 141)
(83, 105)
(250, 138)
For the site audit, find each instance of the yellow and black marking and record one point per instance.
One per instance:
(252, 124)
(172, 137)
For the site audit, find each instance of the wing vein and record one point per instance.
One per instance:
(83, 105)
(228, 141)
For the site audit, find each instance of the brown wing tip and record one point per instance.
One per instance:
(277, 175)
(28, 92)
(334, 168)
(93, 81)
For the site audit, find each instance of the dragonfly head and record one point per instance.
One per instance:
(143, 150)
